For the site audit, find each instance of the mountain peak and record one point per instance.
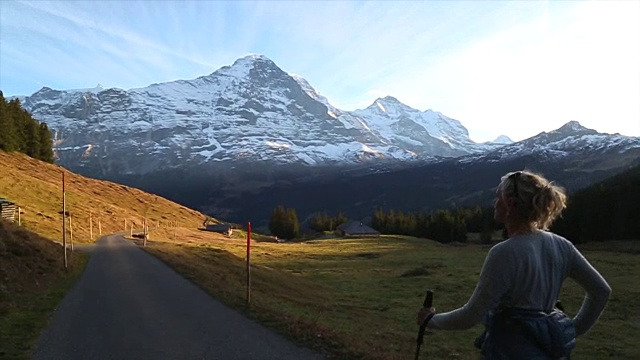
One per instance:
(254, 58)
(246, 64)
(502, 139)
(251, 60)
(389, 104)
(574, 127)
(389, 99)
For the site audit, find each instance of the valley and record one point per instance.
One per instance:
(348, 298)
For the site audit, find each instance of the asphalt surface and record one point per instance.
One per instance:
(130, 305)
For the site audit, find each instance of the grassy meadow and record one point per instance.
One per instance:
(357, 298)
(353, 298)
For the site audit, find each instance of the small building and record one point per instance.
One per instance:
(7, 210)
(223, 228)
(356, 228)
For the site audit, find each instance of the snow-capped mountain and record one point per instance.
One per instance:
(502, 139)
(211, 143)
(572, 156)
(427, 131)
(249, 111)
(570, 140)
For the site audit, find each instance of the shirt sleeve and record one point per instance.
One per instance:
(597, 292)
(491, 287)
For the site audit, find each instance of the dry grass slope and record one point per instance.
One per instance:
(32, 276)
(36, 187)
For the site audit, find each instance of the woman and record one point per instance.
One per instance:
(521, 279)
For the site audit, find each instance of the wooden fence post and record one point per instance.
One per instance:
(71, 232)
(144, 233)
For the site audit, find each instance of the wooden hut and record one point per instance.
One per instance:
(7, 210)
(225, 229)
(356, 228)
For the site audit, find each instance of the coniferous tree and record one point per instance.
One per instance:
(277, 220)
(324, 222)
(32, 137)
(293, 226)
(46, 143)
(284, 223)
(21, 132)
(7, 134)
(16, 118)
(377, 220)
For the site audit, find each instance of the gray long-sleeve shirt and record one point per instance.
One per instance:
(527, 271)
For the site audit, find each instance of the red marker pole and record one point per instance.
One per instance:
(249, 263)
(64, 225)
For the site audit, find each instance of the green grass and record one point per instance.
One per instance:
(24, 315)
(357, 298)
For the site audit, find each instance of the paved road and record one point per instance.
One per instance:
(130, 305)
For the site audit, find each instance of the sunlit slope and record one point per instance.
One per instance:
(36, 187)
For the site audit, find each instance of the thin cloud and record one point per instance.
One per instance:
(516, 68)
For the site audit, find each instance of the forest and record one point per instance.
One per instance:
(607, 210)
(19, 131)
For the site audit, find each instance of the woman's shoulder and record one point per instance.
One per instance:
(503, 247)
(561, 243)
(516, 243)
(557, 238)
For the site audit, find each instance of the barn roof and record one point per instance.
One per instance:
(357, 228)
(218, 227)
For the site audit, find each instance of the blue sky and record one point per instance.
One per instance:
(506, 67)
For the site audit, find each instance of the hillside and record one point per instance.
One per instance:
(32, 282)
(36, 187)
(614, 202)
(32, 275)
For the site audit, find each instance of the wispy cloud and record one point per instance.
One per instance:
(499, 67)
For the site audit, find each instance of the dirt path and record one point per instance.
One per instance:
(129, 305)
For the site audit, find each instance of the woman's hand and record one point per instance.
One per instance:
(423, 314)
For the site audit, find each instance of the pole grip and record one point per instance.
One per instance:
(428, 300)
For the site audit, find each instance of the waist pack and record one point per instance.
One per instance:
(523, 333)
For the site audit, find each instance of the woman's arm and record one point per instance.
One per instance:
(598, 292)
(493, 282)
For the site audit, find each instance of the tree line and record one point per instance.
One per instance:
(21, 132)
(441, 225)
(608, 210)
(324, 222)
(284, 223)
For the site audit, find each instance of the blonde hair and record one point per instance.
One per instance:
(537, 201)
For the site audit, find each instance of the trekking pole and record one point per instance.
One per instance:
(428, 301)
